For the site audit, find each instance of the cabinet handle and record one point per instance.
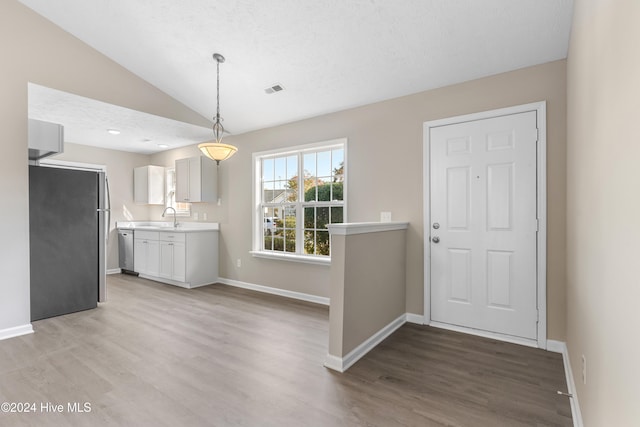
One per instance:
(170, 244)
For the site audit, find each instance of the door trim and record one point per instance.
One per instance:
(541, 171)
(63, 164)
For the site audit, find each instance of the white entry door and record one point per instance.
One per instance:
(483, 224)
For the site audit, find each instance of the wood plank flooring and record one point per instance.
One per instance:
(158, 355)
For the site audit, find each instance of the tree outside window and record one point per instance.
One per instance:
(301, 193)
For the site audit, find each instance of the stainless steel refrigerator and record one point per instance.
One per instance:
(69, 216)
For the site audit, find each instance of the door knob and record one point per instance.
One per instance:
(436, 225)
(435, 239)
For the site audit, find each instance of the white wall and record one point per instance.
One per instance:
(603, 209)
(379, 182)
(120, 165)
(34, 50)
(37, 51)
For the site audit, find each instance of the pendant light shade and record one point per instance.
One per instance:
(216, 150)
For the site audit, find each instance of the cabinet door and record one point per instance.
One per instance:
(166, 260)
(196, 180)
(148, 185)
(153, 258)
(156, 185)
(140, 256)
(183, 193)
(140, 185)
(179, 262)
(208, 180)
(195, 184)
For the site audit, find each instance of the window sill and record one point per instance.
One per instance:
(306, 259)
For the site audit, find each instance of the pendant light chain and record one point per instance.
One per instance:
(218, 129)
(216, 150)
(218, 90)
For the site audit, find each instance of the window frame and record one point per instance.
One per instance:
(300, 204)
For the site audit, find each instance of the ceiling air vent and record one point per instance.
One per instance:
(273, 89)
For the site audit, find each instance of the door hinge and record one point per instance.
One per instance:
(537, 224)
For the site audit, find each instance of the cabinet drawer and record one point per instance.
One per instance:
(145, 235)
(172, 237)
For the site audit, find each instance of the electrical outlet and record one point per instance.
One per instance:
(584, 369)
(195, 216)
(239, 263)
(204, 216)
(219, 202)
(385, 216)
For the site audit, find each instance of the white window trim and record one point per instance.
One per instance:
(288, 256)
(184, 213)
(257, 217)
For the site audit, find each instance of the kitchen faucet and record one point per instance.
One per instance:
(175, 221)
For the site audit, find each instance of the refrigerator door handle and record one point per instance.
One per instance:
(104, 220)
(108, 207)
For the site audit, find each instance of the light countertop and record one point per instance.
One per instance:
(183, 227)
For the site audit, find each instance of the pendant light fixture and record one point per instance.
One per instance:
(216, 150)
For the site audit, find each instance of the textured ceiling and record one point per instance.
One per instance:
(329, 55)
(86, 122)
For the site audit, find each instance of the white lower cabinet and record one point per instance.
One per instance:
(186, 259)
(146, 253)
(172, 257)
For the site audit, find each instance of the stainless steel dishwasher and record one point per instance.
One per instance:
(125, 250)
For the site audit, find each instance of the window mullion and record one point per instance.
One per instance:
(299, 208)
(299, 229)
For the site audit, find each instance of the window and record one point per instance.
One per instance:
(299, 191)
(182, 209)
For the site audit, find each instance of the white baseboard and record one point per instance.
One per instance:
(556, 346)
(16, 331)
(334, 363)
(275, 291)
(485, 334)
(114, 271)
(342, 364)
(418, 319)
(561, 347)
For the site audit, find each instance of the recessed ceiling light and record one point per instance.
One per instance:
(113, 131)
(163, 146)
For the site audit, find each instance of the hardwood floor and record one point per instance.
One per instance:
(158, 355)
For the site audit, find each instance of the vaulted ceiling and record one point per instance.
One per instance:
(328, 55)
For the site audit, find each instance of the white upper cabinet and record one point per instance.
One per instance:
(148, 185)
(196, 180)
